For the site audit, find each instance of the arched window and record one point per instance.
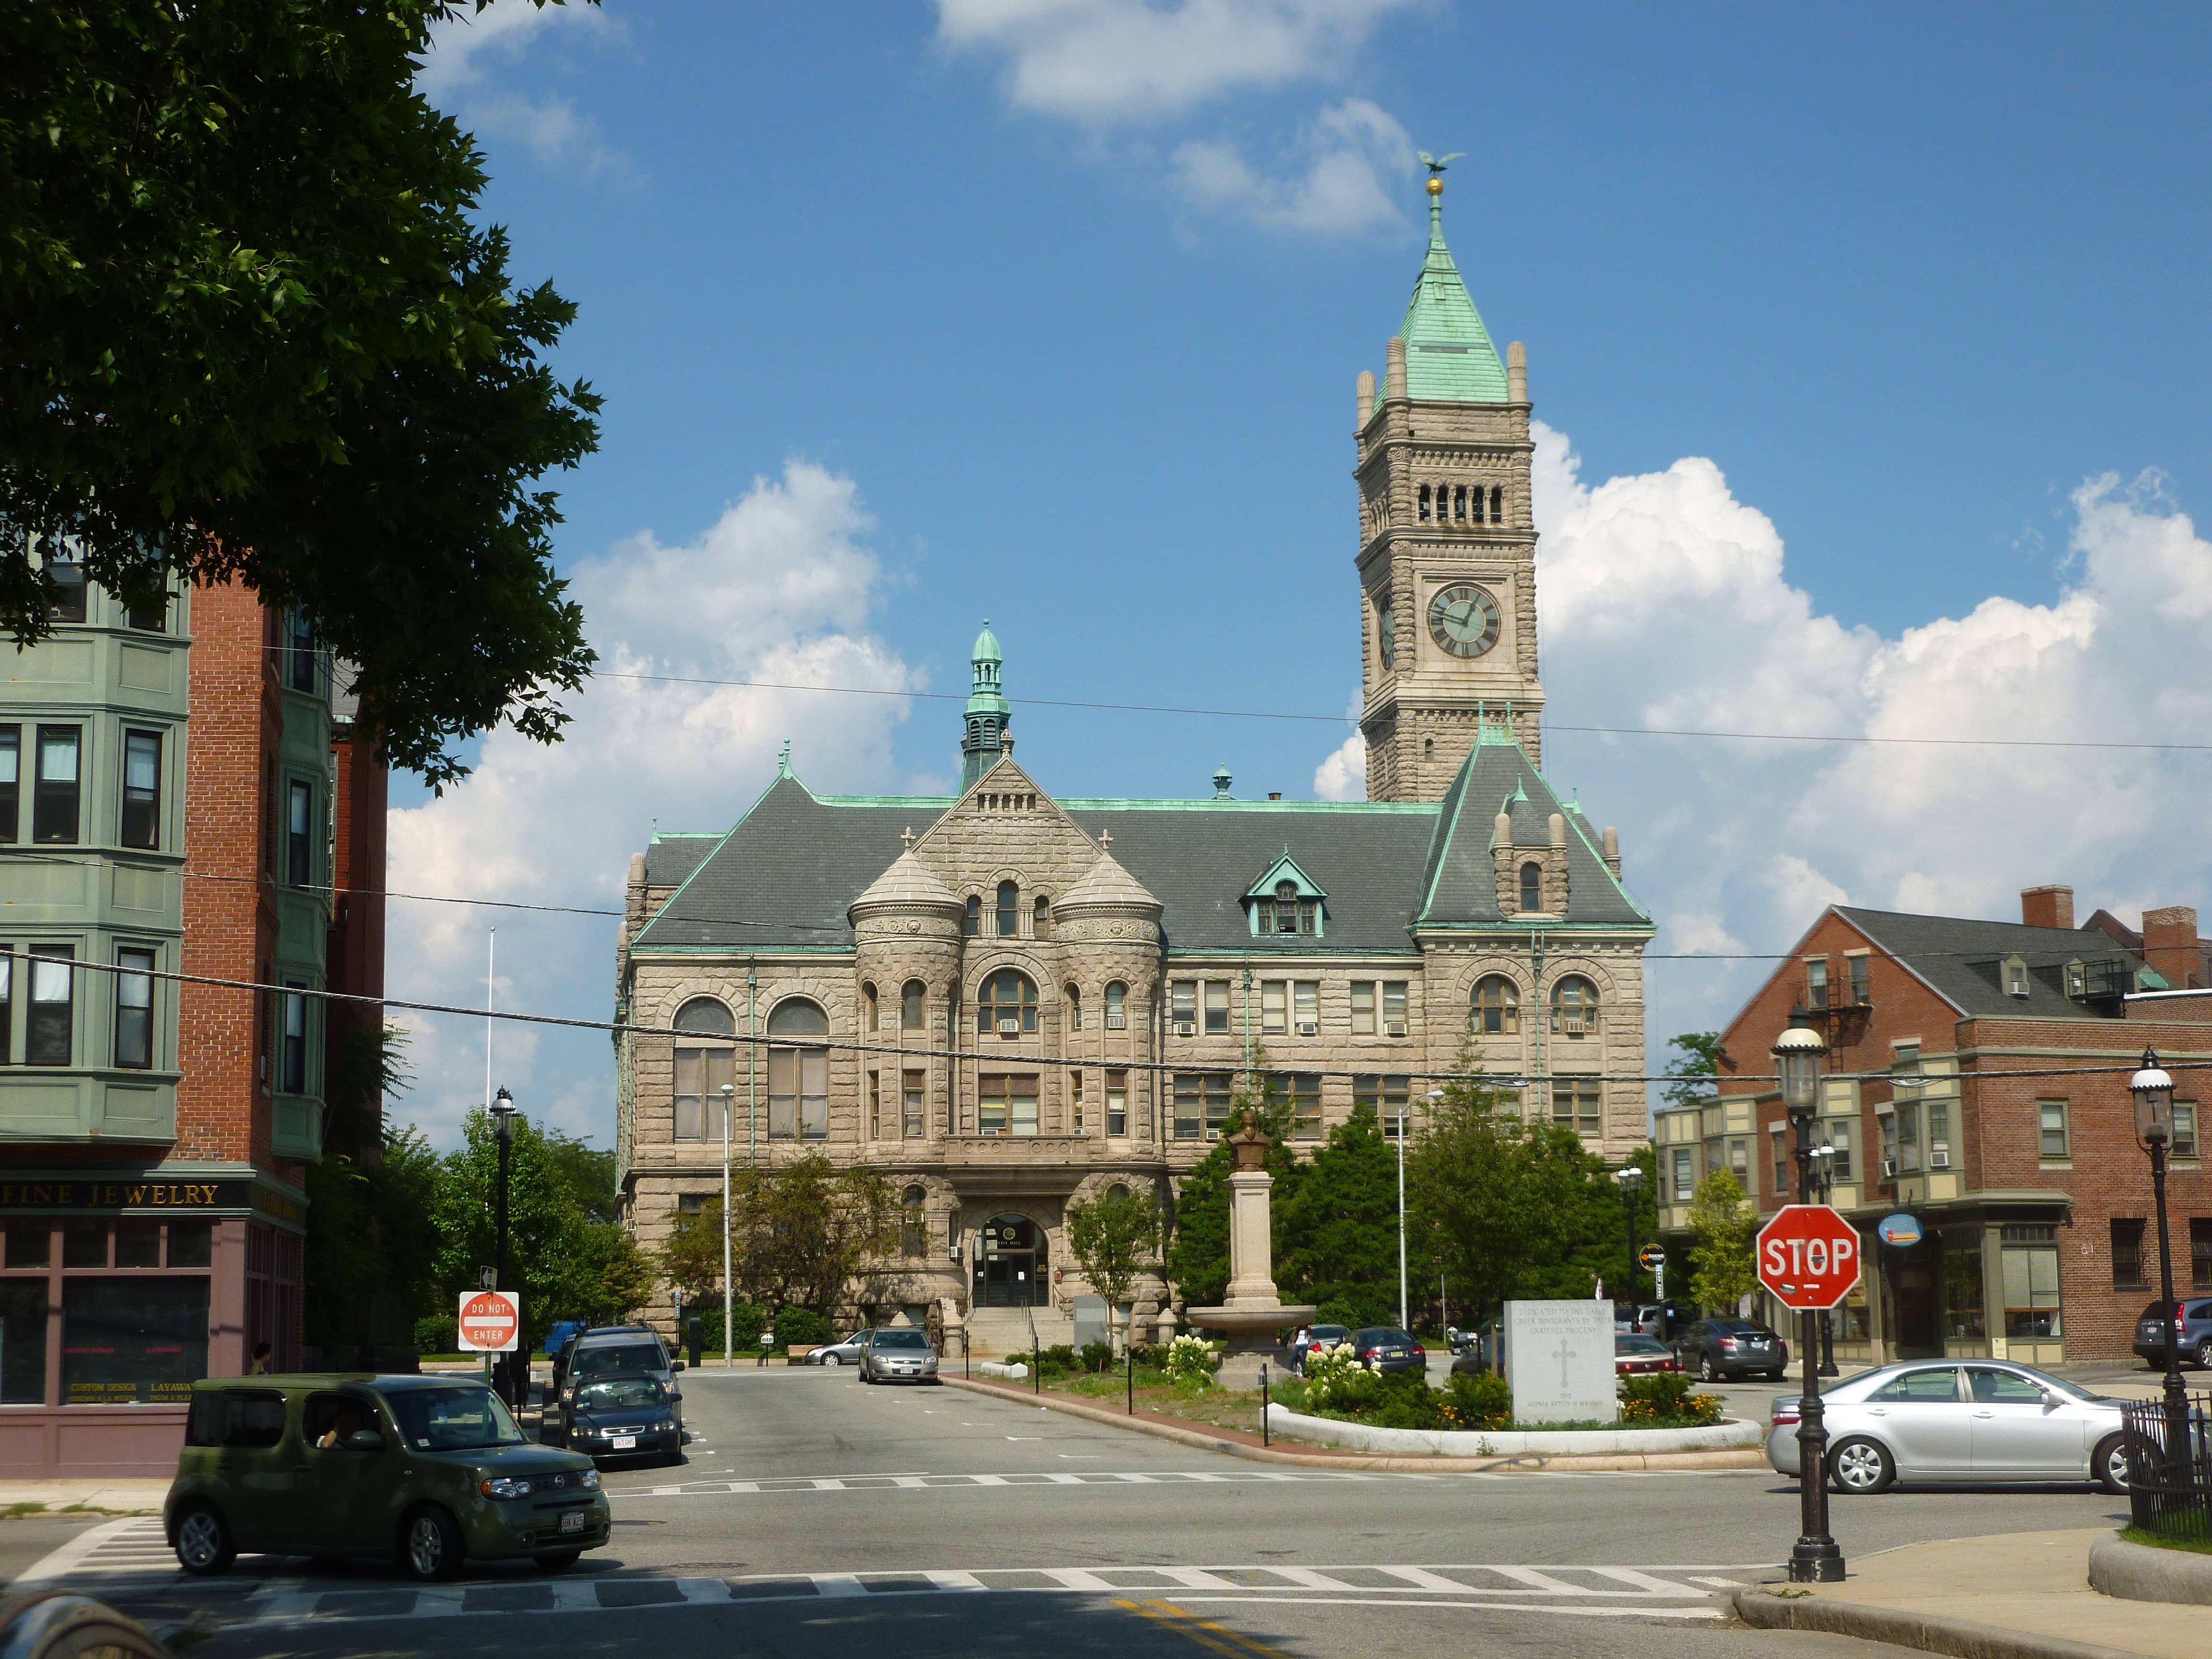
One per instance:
(1043, 910)
(1006, 1003)
(1117, 1190)
(1531, 885)
(1428, 748)
(1117, 1006)
(870, 1012)
(1424, 503)
(1074, 999)
(1497, 504)
(1459, 503)
(1574, 1006)
(914, 1229)
(701, 1068)
(973, 926)
(910, 1000)
(1009, 909)
(798, 1072)
(1497, 1010)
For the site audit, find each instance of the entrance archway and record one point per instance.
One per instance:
(1013, 1267)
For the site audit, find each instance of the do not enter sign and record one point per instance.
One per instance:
(491, 1321)
(1808, 1256)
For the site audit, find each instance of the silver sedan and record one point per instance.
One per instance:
(1958, 1421)
(846, 1353)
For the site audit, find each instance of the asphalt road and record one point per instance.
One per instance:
(812, 1510)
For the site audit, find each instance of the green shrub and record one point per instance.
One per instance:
(1402, 1400)
(800, 1328)
(1097, 1356)
(435, 1334)
(1665, 1397)
(1482, 1402)
(745, 1322)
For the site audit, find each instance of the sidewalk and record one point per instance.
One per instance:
(2019, 1595)
(113, 1497)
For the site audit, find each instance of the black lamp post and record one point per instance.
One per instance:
(503, 1114)
(1629, 1179)
(1815, 1558)
(1824, 1169)
(2153, 1089)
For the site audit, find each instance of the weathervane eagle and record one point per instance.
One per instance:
(1436, 163)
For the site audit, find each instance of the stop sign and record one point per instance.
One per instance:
(491, 1321)
(1808, 1256)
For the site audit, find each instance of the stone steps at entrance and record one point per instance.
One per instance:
(992, 1332)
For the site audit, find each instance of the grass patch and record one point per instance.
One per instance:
(2187, 1545)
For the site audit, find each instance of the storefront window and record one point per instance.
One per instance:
(127, 1340)
(23, 1341)
(2031, 1290)
(1963, 1320)
(84, 1242)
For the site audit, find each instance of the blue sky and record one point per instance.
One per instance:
(1051, 313)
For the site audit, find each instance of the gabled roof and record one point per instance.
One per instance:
(1962, 959)
(1448, 354)
(1284, 869)
(671, 856)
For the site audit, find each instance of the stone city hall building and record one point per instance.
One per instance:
(1008, 1002)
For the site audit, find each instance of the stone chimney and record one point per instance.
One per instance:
(2047, 907)
(2170, 945)
(1517, 373)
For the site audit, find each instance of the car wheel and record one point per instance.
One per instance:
(430, 1546)
(1859, 1465)
(1778, 1374)
(831, 1359)
(2205, 1353)
(2108, 1464)
(557, 1560)
(204, 1543)
(1706, 1371)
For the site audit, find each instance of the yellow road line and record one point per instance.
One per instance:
(1188, 1623)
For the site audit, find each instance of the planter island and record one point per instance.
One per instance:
(1506, 1443)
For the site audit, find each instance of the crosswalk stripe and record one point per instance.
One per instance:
(837, 1584)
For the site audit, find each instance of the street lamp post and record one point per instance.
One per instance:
(1825, 1173)
(1815, 1558)
(2153, 1089)
(1629, 1179)
(503, 1114)
(729, 1105)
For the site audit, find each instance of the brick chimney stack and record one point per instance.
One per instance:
(2047, 907)
(2170, 944)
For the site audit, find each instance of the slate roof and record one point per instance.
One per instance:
(1963, 959)
(1448, 354)
(784, 877)
(670, 859)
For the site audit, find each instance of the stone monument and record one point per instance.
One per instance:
(1558, 1361)
(1251, 1312)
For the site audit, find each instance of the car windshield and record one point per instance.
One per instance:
(453, 1419)
(1331, 1334)
(622, 1391)
(901, 1340)
(1639, 1344)
(623, 1356)
(1382, 1336)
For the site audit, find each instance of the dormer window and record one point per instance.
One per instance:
(2077, 980)
(1286, 913)
(1532, 886)
(2015, 976)
(1284, 904)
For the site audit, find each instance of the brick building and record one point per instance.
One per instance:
(1977, 1079)
(166, 783)
(1007, 1002)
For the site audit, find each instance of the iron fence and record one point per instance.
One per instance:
(2170, 1485)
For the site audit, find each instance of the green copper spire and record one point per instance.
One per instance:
(987, 714)
(1448, 356)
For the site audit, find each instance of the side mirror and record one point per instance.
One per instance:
(675, 1398)
(364, 1440)
(675, 1365)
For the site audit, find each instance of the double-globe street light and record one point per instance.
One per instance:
(2153, 1089)
(1815, 1558)
(503, 1114)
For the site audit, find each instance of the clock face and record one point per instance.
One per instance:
(1386, 633)
(1463, 619)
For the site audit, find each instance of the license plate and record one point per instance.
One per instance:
(625, 1443)
(573, 1521)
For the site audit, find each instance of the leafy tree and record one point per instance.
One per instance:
(252, 330)
(1338, 1224)
(803, 1235)
(1698, 1061)
(1722, 1226)
(1113, 1238)
(371, 1249)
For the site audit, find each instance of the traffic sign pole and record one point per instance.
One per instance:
(1808, 1258)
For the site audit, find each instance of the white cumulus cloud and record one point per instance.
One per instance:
(477, 68)
(780, 589)
(1338, 181)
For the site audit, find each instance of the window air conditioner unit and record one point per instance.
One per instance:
(1889, 1169)
(1213, 1135)
(1186, 1028)
(1117, 1022)
(1395, 1028)
(1940, 1158)
(1308, 1028)
(1010, 1028)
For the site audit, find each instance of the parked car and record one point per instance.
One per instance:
(623, 1414)
(846, 1353)
(2192, 1324)
(429, 1470)
(1387, 1348)
(1634, 1356)
(1317, 1336)
(60, 1624)
(900, 1354)
(1723, 1349)
(611, 1350)
(1951, 1420)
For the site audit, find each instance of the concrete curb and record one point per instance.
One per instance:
(1238, 1444)
(1963, 1638)
(2143, 1572)
(1733, 1435)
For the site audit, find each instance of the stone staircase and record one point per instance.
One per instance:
(993, 1332)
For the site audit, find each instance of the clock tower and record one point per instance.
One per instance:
(1447, 545)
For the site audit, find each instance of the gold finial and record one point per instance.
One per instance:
(1435, 187)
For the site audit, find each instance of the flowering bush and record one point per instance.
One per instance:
(1665, 1397)
(1336, 1379)
(1189, 1359)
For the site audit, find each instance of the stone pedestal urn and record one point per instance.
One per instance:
(1252, 1316)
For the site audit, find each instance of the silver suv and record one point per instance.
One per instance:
(2192, 1324)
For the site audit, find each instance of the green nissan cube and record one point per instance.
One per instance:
(430, 1471)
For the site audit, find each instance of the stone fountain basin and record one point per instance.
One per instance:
(1242, 1325)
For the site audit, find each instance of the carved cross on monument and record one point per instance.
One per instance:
(1564, 1354)
(906, 838)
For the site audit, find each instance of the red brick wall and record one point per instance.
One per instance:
(230, 930)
